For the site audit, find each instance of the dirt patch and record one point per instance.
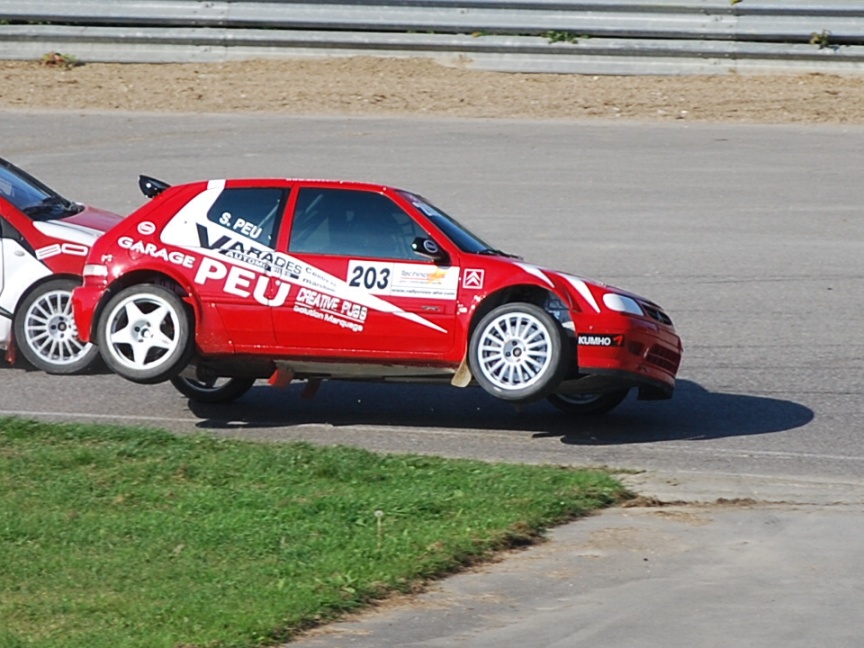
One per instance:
(642, 501)
(390, 87)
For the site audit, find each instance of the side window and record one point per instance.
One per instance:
(352, 223)
(5, 189)
(252, 212)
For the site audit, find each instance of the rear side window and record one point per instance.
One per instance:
(352, 223)
(253, 212)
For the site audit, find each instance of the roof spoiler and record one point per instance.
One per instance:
(151, 187)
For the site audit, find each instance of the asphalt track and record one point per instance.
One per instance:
(749, 236)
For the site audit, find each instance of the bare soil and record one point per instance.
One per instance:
(391, 87)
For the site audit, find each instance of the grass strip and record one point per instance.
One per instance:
(117, 537)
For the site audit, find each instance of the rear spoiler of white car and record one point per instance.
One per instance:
(151, 187)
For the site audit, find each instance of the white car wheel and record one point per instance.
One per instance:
(144, 334)
(46, 333)
(515, 352)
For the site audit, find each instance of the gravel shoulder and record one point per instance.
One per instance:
(395, 87)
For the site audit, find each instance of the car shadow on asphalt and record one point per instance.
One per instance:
(693, 414)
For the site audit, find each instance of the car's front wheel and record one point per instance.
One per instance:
(144, 334)
(45, 330)
(516, 352)
(212, 390)
(588, 404)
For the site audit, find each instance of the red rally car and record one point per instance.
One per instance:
(215, 284)
(44, 240)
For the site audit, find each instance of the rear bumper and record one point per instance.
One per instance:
(84, 303)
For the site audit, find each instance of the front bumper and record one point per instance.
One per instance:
(634, 353)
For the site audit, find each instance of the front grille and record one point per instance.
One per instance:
(655, 313)
(664, 358)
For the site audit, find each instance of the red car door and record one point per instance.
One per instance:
(363, 291)
(232, 229)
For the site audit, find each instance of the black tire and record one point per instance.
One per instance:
(516, 353)
(217, 390)
(588, 404)
(145, 335)
(45, 331)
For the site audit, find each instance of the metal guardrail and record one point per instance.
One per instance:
(591, 36)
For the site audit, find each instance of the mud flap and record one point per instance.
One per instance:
(282, 377)
(462, 377)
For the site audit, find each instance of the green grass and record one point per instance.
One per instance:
(113, 537)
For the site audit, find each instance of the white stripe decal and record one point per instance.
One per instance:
(537, 272)
(419, 320)
(582, 288)
(68, 231)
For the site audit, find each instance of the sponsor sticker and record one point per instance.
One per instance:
(243, 282)
(332, 309)
(177, 257)
(600, 340)
(261, 257)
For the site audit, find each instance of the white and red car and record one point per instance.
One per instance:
(44, 241)
(310, 279)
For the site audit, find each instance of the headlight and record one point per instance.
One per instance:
(622, 304)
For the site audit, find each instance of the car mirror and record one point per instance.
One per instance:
(430, 249)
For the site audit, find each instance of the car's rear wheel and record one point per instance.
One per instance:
(144, 334)
(45, 330)
(213, 390)
(588, 404)
(516, 352)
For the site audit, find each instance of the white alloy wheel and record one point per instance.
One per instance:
(46, 333)
(515, 352)
(144, 334)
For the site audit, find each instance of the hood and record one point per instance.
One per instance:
(92, 218)
(593, 295)
(84, 227)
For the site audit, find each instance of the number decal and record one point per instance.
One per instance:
(73, 249)
(383, 279)
(412, 280)
(370, 277)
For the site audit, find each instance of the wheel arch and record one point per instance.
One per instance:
(545, 298)
(41, 282)
(148, 276)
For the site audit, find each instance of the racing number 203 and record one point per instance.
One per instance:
(369, 277)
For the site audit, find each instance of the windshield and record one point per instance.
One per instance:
(461, 237)
(31, 196)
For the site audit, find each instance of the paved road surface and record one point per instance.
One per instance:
(750, 236)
